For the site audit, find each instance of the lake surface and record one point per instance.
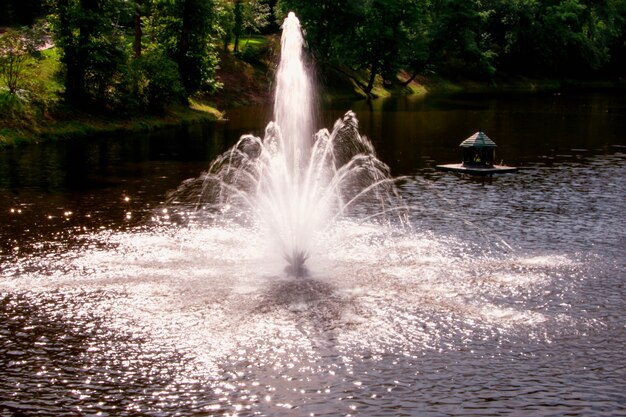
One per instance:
(503, 297)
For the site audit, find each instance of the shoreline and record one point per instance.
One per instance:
(76, 124)
(344, 85)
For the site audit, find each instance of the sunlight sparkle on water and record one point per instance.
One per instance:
(291, 278)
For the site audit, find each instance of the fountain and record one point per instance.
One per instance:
(293, 184)
(103, 311)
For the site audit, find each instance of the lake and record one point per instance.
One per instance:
(504, 296)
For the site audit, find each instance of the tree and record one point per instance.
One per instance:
(137, 29)
(256, 16)
(151, 83)
(225, 18)
(583, 30)
(324, 23)
(185, 30)
(389, 37)
(238, 17)
(511, 25)
(20, 12)
(238, 26)
(562, 38)
(383, 35)
(96, 56)
(459, 42)
(17, 48)
(554, 38)
(617, 42)
(92, 47)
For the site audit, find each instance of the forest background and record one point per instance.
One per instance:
(63, 60)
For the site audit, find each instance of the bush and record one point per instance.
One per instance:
(255, 53)
(15, 112)
(18, 47)
(151, 83)
(10, 105)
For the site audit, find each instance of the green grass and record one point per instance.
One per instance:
(250, 42)
(47, 70)
(76, 124)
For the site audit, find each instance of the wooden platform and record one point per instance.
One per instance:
(460, 168)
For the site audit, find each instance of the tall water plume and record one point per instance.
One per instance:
(292, 97)
(292, 185)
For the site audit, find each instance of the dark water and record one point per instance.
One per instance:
(506, 298)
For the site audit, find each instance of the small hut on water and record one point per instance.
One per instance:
(478, 152)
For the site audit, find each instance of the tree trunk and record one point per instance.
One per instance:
(238, 29)
(183, 45)
(138, 33)
(373, 73)
(74, 51)
(355, 79)
(407, 82)
(82, 51)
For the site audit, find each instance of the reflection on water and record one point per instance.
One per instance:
(414, 133)
(506, 297)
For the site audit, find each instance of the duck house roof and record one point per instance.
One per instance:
(478, 140)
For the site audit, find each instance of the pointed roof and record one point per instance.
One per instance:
(478, 140)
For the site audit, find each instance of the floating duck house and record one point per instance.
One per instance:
(478, 153)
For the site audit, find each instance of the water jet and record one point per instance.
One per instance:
(295, 264)
(293, 184)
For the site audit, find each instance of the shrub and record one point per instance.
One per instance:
(17, 48)
(15, 112)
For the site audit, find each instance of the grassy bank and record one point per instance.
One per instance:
(36, 113)
(71, 123)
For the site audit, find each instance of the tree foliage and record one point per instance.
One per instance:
(101, 42)
(184, 29)
(466, 38)
(237, 18)
(555, 37)
(389, 38)
(380, 36)
(98, 58)
(459, 43)
(326, 24)
(93, 48)
(151, 82)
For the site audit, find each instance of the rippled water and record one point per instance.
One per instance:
(505, 298)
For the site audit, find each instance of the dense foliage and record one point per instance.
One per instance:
(135, 55)
(467, 38)
(98, 61)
